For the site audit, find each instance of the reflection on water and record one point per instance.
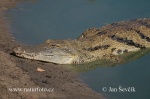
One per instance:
(33, 23)
(126, 58)
(133, 74)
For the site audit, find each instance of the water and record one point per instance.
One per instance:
(134, 74)
(33, 23)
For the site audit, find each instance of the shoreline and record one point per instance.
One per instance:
(21, 73)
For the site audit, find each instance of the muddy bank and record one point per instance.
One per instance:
(22, 73)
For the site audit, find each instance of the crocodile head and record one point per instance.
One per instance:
(53, 55)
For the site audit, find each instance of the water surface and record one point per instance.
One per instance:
(133, 74)
(33, 23)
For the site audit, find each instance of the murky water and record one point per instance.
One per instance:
(33, 23)
(134, 74)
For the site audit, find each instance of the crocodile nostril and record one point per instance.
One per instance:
(17, 50)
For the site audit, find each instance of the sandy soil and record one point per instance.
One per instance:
(15, 72)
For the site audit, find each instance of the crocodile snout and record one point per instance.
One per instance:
(53, 55)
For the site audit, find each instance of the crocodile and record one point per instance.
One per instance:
(107, 42)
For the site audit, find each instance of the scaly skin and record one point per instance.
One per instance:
(96, 43)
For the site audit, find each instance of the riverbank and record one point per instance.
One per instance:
(22, 73)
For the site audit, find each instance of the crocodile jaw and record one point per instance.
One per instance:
(50, 55)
